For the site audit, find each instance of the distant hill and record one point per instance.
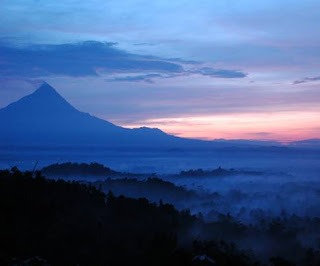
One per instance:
(219, 172)
(309, 143)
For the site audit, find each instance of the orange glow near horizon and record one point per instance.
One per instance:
(279, 126)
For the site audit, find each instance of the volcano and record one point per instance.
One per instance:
(46, 118)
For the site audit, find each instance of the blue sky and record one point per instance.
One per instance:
(187, 67)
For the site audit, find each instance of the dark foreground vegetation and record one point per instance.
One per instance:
(63, 223)
(152, 188)
(54, 222)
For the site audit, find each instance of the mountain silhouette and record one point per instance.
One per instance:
(45, 117)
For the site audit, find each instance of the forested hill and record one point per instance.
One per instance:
(78, 169)
(54, 222)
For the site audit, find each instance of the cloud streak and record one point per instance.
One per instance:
(148, 78)
(219, 73)
(305, 80)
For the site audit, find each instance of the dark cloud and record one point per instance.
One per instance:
(306, 80)
(93, 58)
(82, 59)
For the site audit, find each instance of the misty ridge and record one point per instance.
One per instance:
(126, 222)
(248, 195)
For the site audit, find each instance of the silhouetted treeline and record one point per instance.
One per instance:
(96, 169)
(68, 223)
(76, 169)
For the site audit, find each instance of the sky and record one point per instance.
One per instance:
(200, 69)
